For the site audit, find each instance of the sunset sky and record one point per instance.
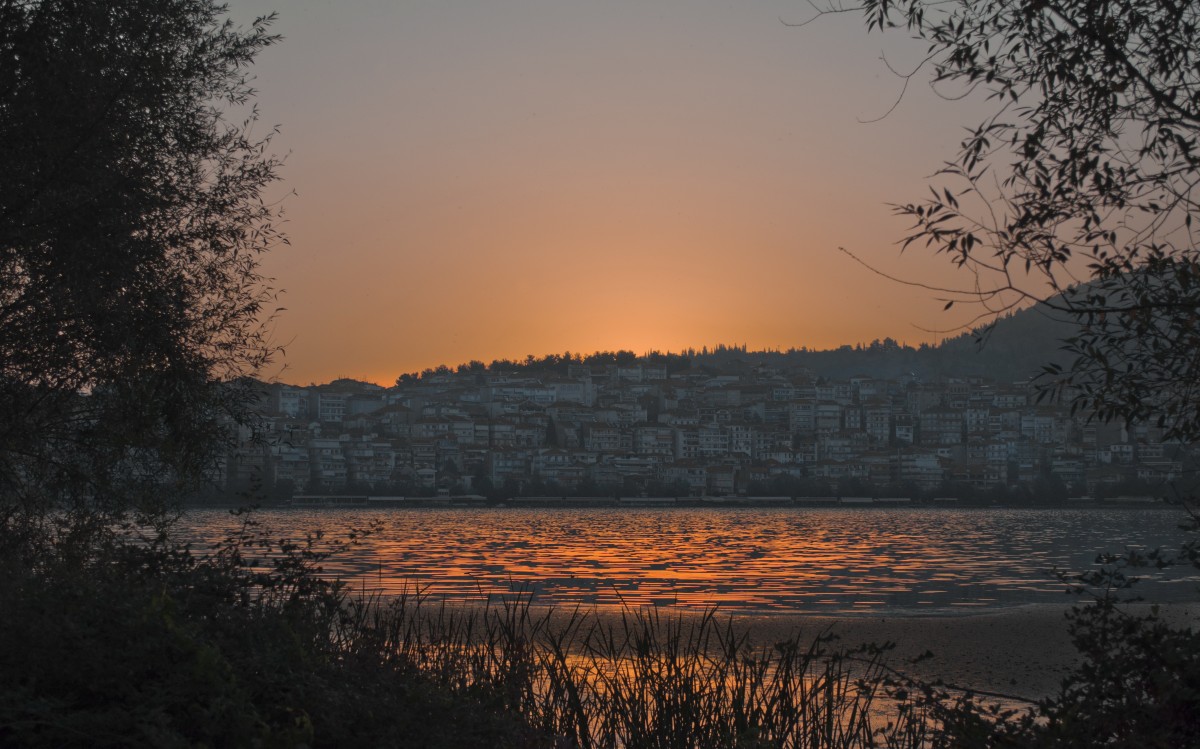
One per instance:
(489, 179)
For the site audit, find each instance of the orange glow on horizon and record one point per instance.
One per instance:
(478, 182)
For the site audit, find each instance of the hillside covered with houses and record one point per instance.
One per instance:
(721, 423)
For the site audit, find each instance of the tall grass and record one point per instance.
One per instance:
(567, 679)
(643, 678)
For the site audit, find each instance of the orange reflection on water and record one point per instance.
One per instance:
(779, 559)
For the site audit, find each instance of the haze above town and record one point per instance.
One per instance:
(478, 180)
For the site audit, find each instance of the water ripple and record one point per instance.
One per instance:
(764, 560)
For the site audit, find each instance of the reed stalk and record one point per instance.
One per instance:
(646, 677)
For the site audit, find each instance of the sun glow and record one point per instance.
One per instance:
(467, 195)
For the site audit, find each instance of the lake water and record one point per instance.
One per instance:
(781, 560)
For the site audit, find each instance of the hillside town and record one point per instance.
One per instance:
(639, 429)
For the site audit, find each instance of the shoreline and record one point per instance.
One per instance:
(1023, 651)
(363, 502)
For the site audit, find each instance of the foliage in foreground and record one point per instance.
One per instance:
(151, 645)
(145, 643)
(1078, 189)
(647, 679)
(132, 220)
(1137, 683)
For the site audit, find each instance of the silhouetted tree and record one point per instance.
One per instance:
(1078, 191)
(131, 222)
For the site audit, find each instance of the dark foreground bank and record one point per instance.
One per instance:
(146, 644)
(149, 646)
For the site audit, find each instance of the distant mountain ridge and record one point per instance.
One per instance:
(1015, 347)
